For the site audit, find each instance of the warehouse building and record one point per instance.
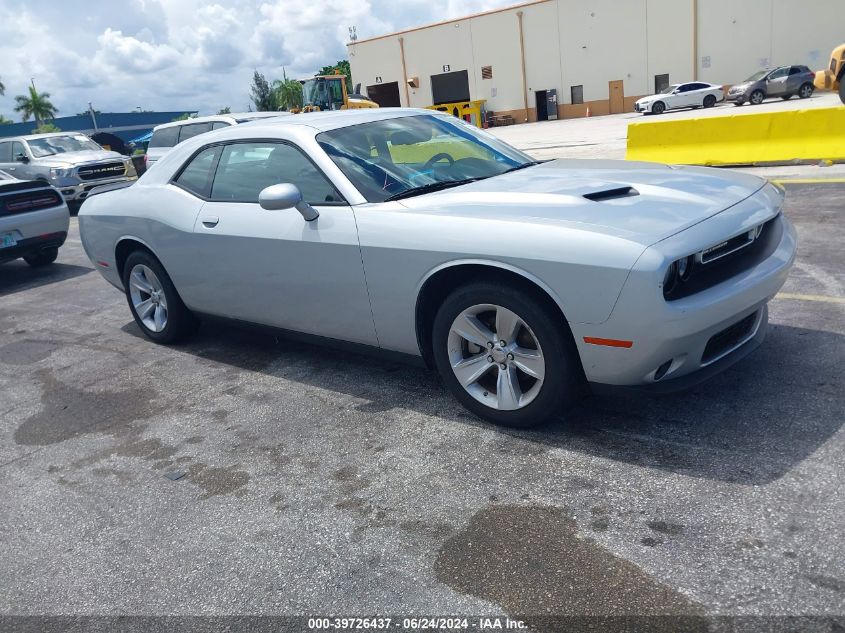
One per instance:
(557, 58)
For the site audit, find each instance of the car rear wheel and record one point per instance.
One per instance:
(757, 97)
(42, 258)
(155, 305)
(658, 108)
(709, 101)
(504, 355)
(805, 91)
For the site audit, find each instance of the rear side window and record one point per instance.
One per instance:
(5, 152)
(165, 137)
(196, 175)
(247, 168)
(192, 130)
(219, 124)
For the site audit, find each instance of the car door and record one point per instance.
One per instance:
(776, 82)
(6, 157)
(684, 97)
(795, 79)
(274, 267)
(15, 160)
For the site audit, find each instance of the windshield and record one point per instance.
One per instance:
(51, 145)
(758, 76)
(325, 93)
(669, 89)
(384, 159)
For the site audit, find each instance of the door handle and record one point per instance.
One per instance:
(210, 222)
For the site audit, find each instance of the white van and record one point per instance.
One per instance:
(168, 135)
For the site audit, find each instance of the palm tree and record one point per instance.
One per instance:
(2, 89)
(35, 105)
(287, 93)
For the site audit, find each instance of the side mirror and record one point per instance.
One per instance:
(22, 158)
(286, 196)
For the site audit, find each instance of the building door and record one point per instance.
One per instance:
(542, 108)
(386, 95)
(617, 97)
(450, 87)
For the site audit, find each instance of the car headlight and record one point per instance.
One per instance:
(60, 172)
(678, 271)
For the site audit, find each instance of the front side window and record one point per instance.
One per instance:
(18, 150)
(779, 73)
(196, 175)
(5, 152)
(247, 168)
(52, 145)
(401, 156)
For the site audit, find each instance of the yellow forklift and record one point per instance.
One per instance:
(328, 92)
(833, 77)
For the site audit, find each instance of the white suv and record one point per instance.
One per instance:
(168, 135)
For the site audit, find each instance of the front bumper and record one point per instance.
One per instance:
(642, 107)
(682, 333)
(76, 191)
(739, 97)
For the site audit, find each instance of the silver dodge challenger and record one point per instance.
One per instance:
(525, 283)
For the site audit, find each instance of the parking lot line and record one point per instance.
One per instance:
(809, 181)
(800, 297)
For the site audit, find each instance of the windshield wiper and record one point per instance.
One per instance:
(429, 188)
(523, 166)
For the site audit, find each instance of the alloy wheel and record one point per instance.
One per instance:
(496, 357)
(148, 298)
(806, 91)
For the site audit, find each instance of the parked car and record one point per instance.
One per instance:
(417, 233)
(69, 161)
(695, 94)
(34, 221)
(168, 135)
(784, 82)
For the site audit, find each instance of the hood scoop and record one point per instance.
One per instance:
(611, 194)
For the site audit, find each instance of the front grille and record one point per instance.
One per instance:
(32, 200)
(728, 259)
(103, 170)
(728, 339)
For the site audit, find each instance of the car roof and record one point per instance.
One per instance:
(333, 119)
(30, 137)
(233, 117)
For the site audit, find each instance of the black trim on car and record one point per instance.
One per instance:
(216, 161)
(33, 245)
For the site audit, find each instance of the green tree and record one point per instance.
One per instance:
(341, 67)
(183, 117)
(225, 110)
(36, 105)
(5, 121)
(46, 128)
(262, 94)
(2, 89)
(287, 93)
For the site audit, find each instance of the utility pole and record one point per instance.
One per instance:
(93, 117)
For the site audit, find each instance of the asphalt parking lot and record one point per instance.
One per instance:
(244, 474)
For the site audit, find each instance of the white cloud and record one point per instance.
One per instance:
(186, 54)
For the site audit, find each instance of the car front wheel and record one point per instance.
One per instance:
(505, 356)
(156, 306)
(658, 108)
(757, 97)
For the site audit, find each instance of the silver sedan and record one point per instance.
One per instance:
(524, 283)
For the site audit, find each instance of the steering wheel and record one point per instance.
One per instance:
(430, 162)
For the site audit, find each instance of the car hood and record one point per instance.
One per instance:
(649, 99)
(643, 202)
(78, 158)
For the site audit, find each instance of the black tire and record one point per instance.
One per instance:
(842, 91)
(42, 258)
(181, 322)
(738, 103)
(806, 91)
(658, 108)
(563, 381)
(757, 97)
(709, 101)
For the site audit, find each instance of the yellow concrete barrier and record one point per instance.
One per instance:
(742, 139)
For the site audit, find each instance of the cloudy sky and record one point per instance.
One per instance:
(185, 54)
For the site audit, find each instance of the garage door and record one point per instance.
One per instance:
(386, 95)
(450, 87)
